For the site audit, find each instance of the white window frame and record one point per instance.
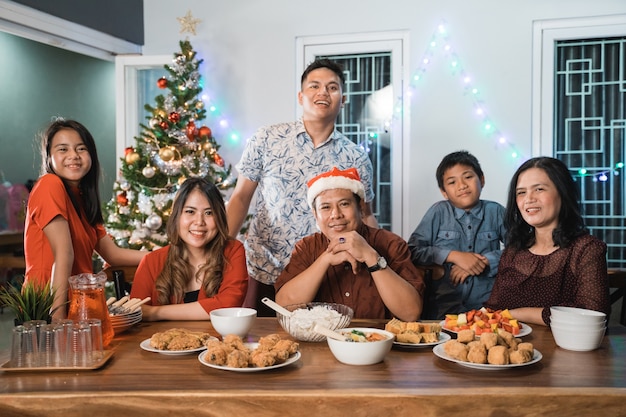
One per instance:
(545, 35)
(307, 47)
(127, 118)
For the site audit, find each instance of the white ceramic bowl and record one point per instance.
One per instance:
(361, 353)
(300, 325)
(577, 340)
(576, 315)
(578, 325)
(233, 320)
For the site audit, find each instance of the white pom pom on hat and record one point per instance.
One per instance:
(347, 179)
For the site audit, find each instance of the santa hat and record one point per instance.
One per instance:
(347, 179)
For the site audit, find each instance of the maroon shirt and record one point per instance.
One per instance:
(575, 276)
(340, 285)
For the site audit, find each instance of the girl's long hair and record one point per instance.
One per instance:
(520, 234)
(177, 273)
(89, 184)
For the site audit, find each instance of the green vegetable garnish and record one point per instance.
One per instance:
(358, 333)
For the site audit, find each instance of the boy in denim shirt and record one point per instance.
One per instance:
(462, 233)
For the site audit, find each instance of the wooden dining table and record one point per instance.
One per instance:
(409, 382)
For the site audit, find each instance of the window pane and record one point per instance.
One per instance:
(365, 117)
(590, 127)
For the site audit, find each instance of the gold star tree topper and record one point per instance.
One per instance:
(188, 23)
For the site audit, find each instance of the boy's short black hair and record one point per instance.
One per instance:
(324, 63)
(457, 158)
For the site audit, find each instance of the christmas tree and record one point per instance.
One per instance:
(171, 147)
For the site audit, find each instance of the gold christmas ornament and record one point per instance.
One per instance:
(207, 146)
(166, 154)
(132, 157)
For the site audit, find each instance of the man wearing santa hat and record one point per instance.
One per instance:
(349, 262)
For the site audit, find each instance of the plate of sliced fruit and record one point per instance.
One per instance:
(485, 320)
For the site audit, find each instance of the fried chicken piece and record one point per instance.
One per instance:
(520, 356)
(178, 339)
(234, 342)
(217, 354)
(160, 340)
(287, 345)
(262, 359)
(489, 340)
(465, 336)
(184, 342)
(526, 346)
(238, 359)
(267, 342)
(477, 353)
(474, 343)
(456, 350)
(498, 355)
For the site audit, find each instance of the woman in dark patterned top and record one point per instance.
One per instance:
(550, 258)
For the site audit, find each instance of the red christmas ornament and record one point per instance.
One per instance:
(192, 131)
(122, 200)
(163, 125)
(173, 117)
(162, 82)
(128, 150)
(205, 131)
(218, 160)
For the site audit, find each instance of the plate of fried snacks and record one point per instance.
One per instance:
(485, 320)
(490, 351)
(176, 342)
(232, 354)
(416, 334)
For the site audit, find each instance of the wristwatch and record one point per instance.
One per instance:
(381, 263)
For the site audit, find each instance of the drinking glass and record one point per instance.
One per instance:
(24, 347)
(79, 345)
(52, 349)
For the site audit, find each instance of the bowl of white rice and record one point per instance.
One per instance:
(304, 316)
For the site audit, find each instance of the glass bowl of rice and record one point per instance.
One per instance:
(300, 324)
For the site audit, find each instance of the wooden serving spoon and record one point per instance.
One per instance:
(330, 333)
(276, 307)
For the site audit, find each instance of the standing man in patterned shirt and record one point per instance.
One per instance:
(276, 163)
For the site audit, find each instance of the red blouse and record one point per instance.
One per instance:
(231, 293)
(47, 200)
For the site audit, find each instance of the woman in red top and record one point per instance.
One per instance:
(201, 269)
(64, 222)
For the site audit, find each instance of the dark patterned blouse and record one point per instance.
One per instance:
(575, 276)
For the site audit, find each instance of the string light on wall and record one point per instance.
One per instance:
(440, 43)
(600, 175)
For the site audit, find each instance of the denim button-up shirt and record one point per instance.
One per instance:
(445, 228)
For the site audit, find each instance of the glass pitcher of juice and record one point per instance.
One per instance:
(87, 301)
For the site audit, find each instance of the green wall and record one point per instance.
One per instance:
(39, 82)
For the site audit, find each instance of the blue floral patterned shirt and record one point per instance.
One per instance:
(281, 159)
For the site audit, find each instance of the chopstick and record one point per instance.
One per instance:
(126, 305)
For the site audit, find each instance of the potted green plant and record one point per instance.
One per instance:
(28, 301)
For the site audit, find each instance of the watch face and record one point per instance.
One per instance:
(382, 262)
